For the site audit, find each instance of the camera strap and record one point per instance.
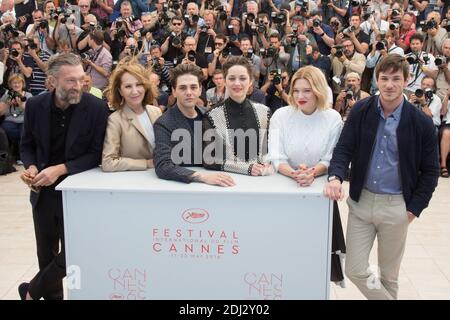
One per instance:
(417, 70)
(97, 53)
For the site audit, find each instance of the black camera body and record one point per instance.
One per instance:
(440, 60)
(14, 53)
(31, 44)
(349, 94)
(270, 52)
(191, 55)
(12, 95)
(278, 18)
(222, 13)
(412, 58)
(428, 25)
(226, 51)
(86, 56)
(276, 76)
(339, 50)
(381, 45)
(12, 29)
(204, 29)
(176, 40)
(317, 23)
(43, 24)
(249, 54)
(395, 24)
(428, 93)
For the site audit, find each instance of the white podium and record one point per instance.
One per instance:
(130, 235)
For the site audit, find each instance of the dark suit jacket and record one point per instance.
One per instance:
(417, 149)
(84, 142)
(165, 168)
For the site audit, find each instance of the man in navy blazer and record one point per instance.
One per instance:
(392, 147)
(63, 134)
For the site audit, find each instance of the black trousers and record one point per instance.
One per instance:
(49, 231)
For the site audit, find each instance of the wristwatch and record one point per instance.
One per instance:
(332, 178)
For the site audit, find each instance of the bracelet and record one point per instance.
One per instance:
(323, 33)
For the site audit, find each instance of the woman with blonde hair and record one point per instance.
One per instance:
(130, 140)
(302, 137)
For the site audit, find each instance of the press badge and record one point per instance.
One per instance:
(208, 50)
(175, 61)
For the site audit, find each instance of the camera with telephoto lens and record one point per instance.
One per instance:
(261, 28)
(191, 55)
(412, 58)
(249, 54)
(440, 60)
(31, 44)
(279, 18)
(86, 56)
(222, 13)
(339, 50)
(428, 25)
(395, 24)
(425, 58)
(12, 95)
(276, 76)
(349, 29)
(395, 13)
(270, 52)
(43, 24)
(317, 23)
(67, 14)
(175, 5)
(419, 93)
(14, 53)
(381, 45)
(349, 94)
(303, 4)
(250, 17)
(366, 13)
(176, 40)
(226, 51)
(204, 29)
(12, 29)
(156, 67)
(294, 40)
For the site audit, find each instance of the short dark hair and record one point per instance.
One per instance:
(183, 69)
(176, 18)
(416, 36)
(237, 61)
(393, 62)
(275, 35)
(98, 37)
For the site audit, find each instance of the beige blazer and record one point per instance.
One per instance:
(126, 146)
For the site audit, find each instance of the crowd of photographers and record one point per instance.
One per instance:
(344, 38)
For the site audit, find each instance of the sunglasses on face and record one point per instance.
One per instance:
(176, 23)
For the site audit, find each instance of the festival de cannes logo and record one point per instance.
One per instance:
(195, 215)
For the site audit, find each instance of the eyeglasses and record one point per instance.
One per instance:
(83, 6)
(176, 23)
(218, 44)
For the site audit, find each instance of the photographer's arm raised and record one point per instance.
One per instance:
(27, 71)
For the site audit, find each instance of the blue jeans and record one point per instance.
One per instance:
(13, 130)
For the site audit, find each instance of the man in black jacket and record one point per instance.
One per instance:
(392, 147)
(62, 135)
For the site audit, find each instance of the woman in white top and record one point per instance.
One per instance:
(302, 137)
(130, 140)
